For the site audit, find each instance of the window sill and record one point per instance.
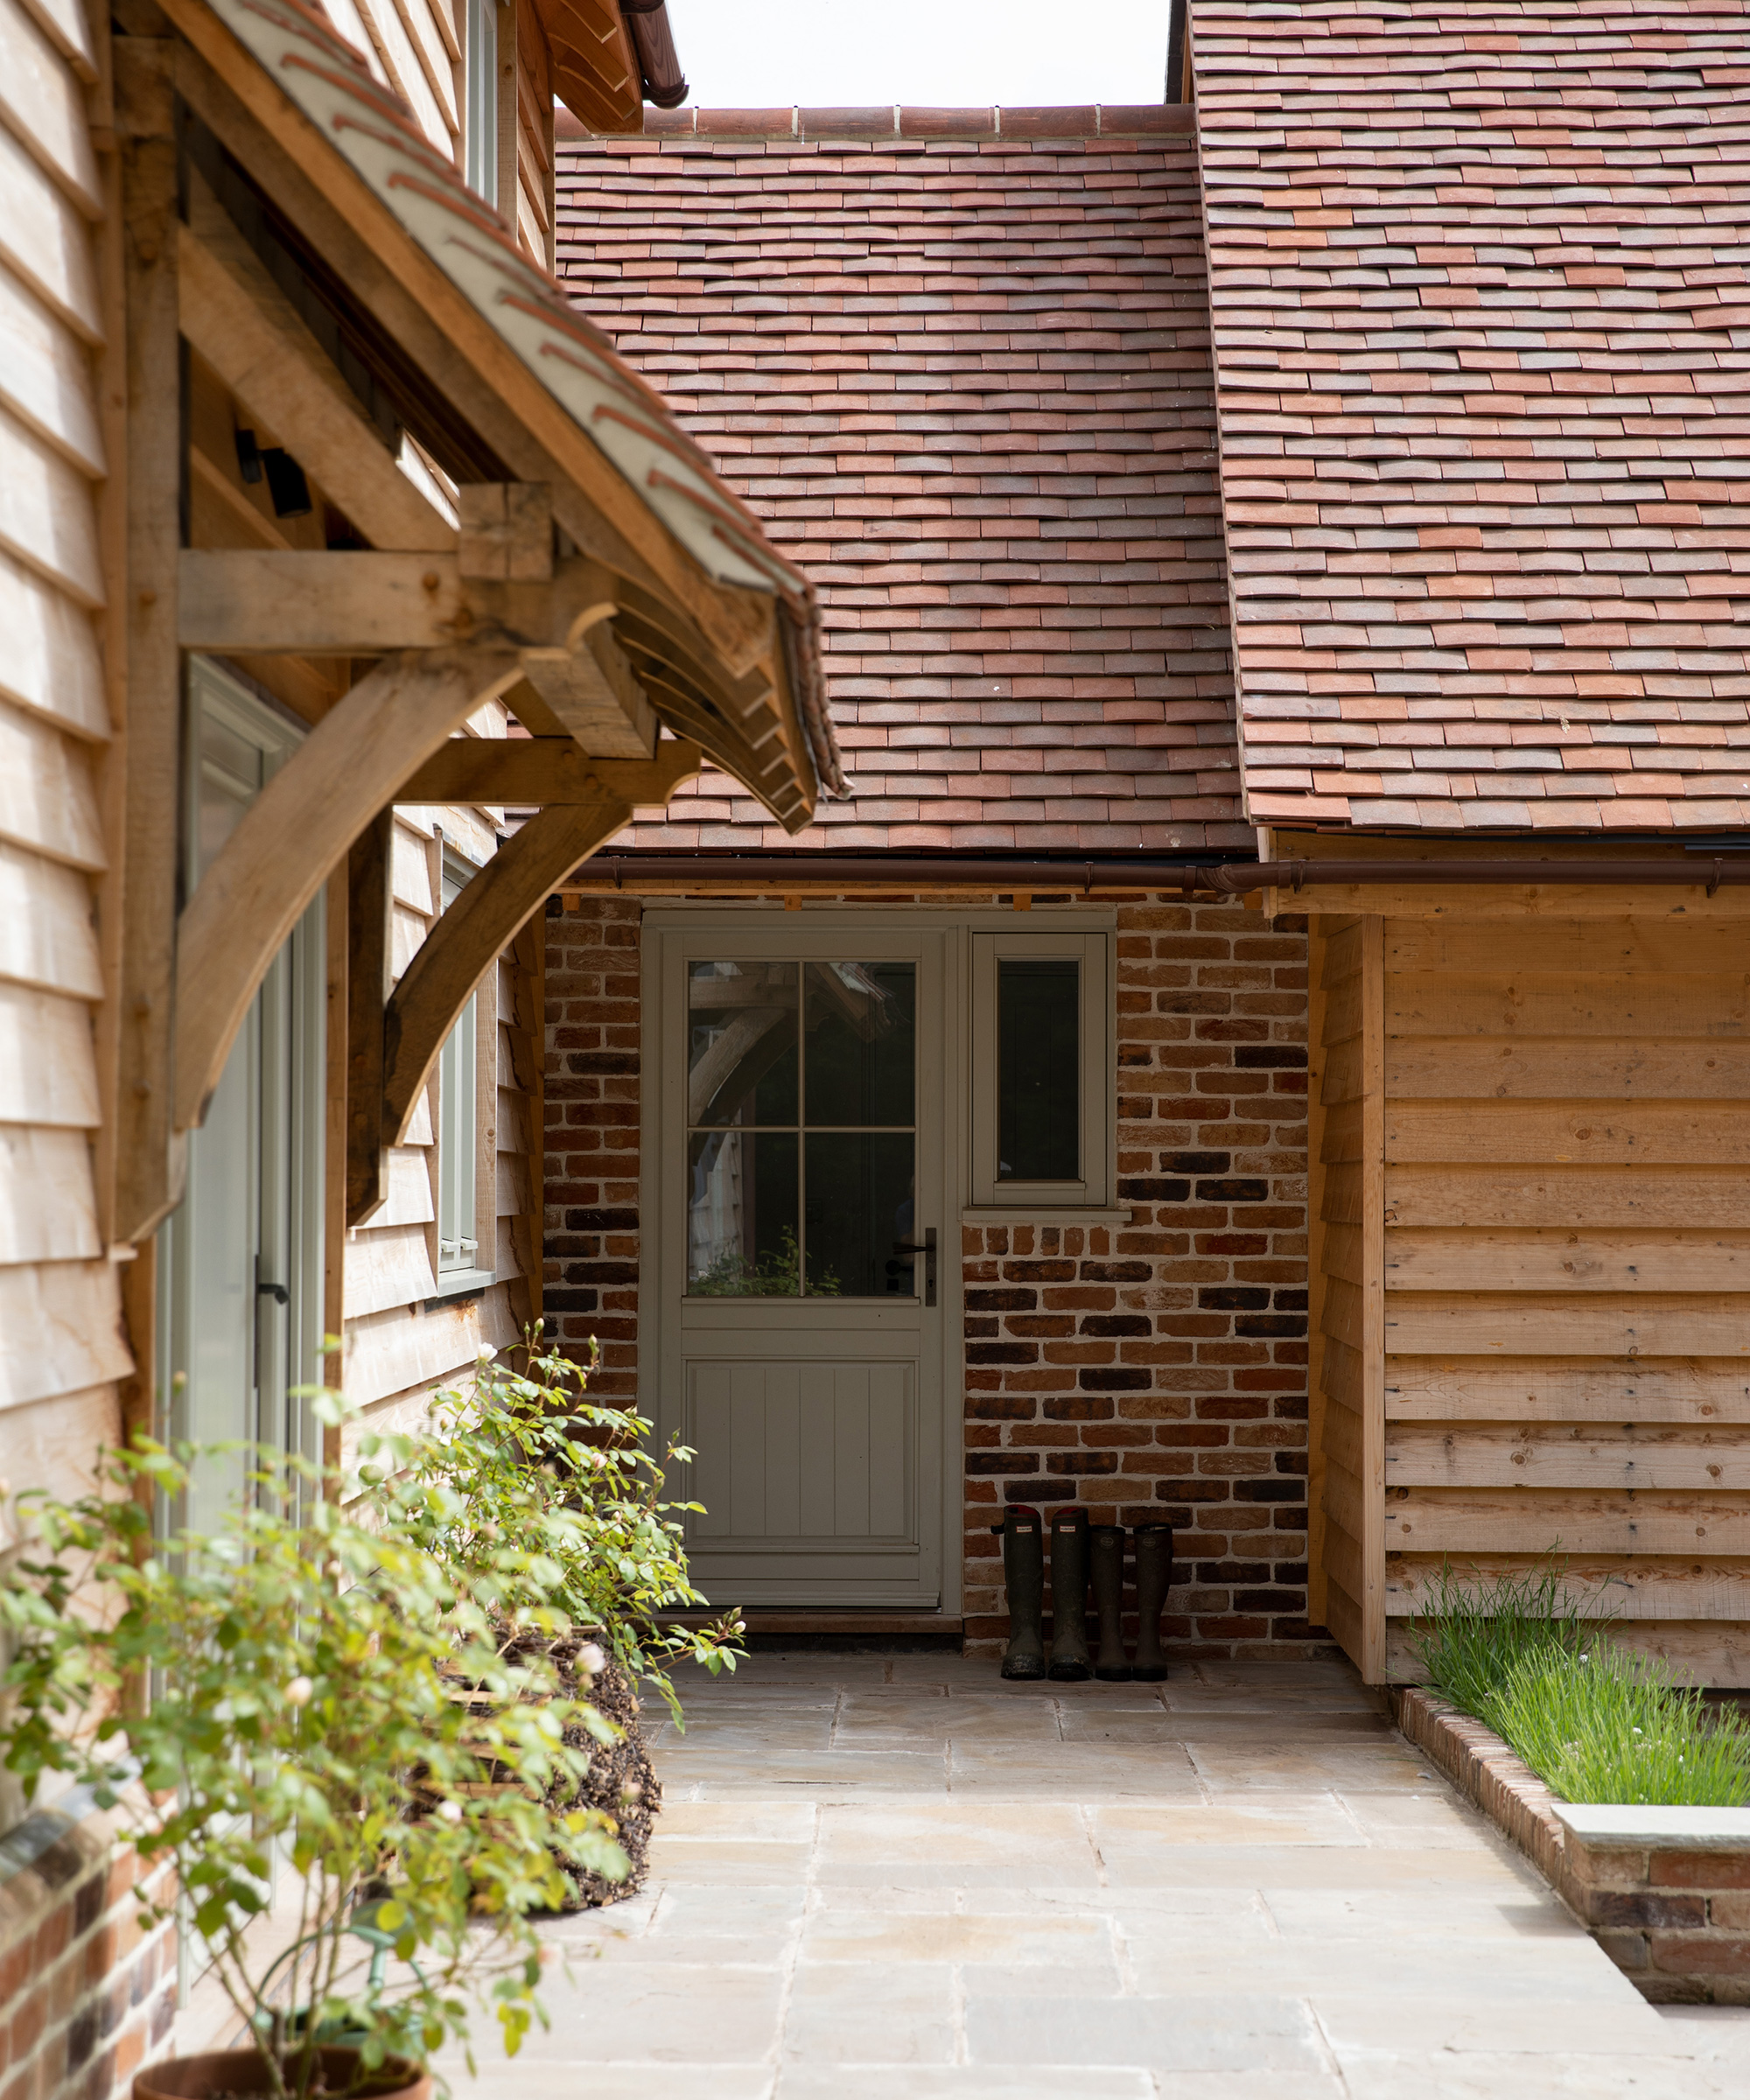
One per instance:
(460, 1283)
(1045, 1213)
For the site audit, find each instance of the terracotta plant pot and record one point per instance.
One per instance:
(241, 2075)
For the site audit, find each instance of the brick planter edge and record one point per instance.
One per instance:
(1675, 1918)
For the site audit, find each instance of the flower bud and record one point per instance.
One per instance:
(299, 1692)
(450, 1811)
(592, 1658)
(485, 1353)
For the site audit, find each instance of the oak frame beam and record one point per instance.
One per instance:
(297, 831)
(541, 772)
(463, 945)
(246, 328)
(149, 1160)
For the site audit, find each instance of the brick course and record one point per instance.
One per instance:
(1157, 1372)
(1154, 1372)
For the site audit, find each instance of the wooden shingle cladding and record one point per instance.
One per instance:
(62, 1347)
(1557, 1238)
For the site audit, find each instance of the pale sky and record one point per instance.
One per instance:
(757, 54)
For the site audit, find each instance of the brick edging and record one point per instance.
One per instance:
(1485, 1771)
(1677, 1922)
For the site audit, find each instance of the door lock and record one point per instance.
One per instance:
(926, 1247)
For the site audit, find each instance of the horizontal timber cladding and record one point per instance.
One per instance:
(1565, 1245)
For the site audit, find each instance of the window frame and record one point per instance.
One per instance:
(1093, 951)
(472, 1118)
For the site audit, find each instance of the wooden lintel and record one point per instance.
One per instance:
(370, 901)
(529, 772)
(297, 831)
(296, 604)
(490, 913)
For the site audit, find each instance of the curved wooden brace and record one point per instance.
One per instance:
(461, 947)
(295, 833)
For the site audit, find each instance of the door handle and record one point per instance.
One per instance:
(926, 1247)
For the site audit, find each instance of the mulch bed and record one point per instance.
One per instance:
(622, 1783)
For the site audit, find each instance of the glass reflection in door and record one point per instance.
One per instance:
(801, 1153)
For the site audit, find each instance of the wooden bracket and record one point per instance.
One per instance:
(460, 948)
(370, 906)
(297, 831)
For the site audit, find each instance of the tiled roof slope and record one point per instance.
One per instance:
(964, 376)
(1483, 352)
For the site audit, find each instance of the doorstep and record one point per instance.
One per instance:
(778, 1621)
(1665, 1892)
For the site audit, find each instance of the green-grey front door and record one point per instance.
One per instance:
(799, 1177)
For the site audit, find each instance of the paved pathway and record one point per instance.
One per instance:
(903, 1878)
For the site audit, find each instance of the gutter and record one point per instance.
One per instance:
(786, 874)
(653, 44)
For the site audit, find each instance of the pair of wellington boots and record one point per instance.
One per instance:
(1079, 1553)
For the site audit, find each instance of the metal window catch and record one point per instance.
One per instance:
(278, 1292)
(926, 1247)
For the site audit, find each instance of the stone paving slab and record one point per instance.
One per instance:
(898, 1877)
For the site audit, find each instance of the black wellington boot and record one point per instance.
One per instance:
(1106, 1559)
(1069, 1663)
(1023, 1535)
(1154, 1578)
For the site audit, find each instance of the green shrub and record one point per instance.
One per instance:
(304, 1666)
(1480, 1626)
(1606, 1724)
(525, 1487)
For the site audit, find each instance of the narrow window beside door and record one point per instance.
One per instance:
(1042, 1071)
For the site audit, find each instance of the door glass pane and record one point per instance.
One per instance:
(861, 1022)
(774, 1208)
(742, 1214)
(860, 1189)
(742, 1063)
(1038, 1069)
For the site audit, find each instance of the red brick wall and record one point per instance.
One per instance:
(85, 1997)
(590, 1274)
(1156, 1371)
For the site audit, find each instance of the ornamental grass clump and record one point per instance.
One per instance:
(285, 1692)
(1478, 1626)
(1607, 1725)
(1597, 1722)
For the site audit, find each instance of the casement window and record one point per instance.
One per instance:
(466, 1199)
(1042, 1070)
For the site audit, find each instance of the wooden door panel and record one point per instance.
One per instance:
(809, 1458)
